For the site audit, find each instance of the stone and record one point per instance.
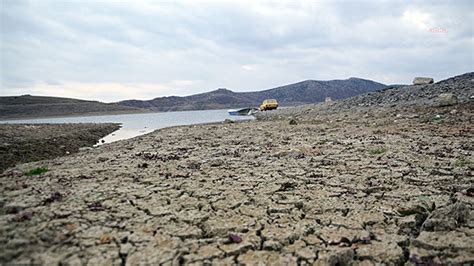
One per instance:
(105, 239)
(410, 224)
(216, 162)
(306, 253)
(126, 248)
(422, 81)
(447, 99)
(272, 245)
(447, 218)
(234, 238)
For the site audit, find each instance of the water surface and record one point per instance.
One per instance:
(138, 124)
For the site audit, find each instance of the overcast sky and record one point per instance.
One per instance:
(115, 50)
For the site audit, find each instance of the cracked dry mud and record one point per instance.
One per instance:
(361, 187)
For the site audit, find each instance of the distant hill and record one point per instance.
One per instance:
(309, 91)
(40, 106)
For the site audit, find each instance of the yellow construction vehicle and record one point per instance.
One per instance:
(269, 104)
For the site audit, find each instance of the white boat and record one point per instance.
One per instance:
(243, 111)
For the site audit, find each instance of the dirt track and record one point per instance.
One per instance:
(358, 187)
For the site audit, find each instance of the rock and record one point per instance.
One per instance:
(439, 224)
(422, 81)
(272, 245)
(85, 148)
(229, 121)
(447, 99)
(216, 162)
(126, 248)
(25, 216)
(447, 218)
(55, 196)
(142, 165)
(409, 225)
(292, 122)
(306, 253)
(233, 238)
(105, 239)
(411, 209)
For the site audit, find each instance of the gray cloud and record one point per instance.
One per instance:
(115, 50)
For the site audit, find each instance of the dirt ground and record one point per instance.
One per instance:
(361, 187)
(21, 143)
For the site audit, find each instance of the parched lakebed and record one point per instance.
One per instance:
(362, 187)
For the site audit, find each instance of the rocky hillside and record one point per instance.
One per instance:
(460, 86)
(39, 106)
(309, 91)
(458, 89)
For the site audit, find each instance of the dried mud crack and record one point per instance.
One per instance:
(362, 187)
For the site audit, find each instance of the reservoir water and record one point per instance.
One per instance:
(138, 124)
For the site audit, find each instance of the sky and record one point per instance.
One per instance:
(117, 50)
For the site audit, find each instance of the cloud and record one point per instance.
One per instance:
(110, 91)
(421, 20)
(111, 50)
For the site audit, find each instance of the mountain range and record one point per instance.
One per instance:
(309, 91)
